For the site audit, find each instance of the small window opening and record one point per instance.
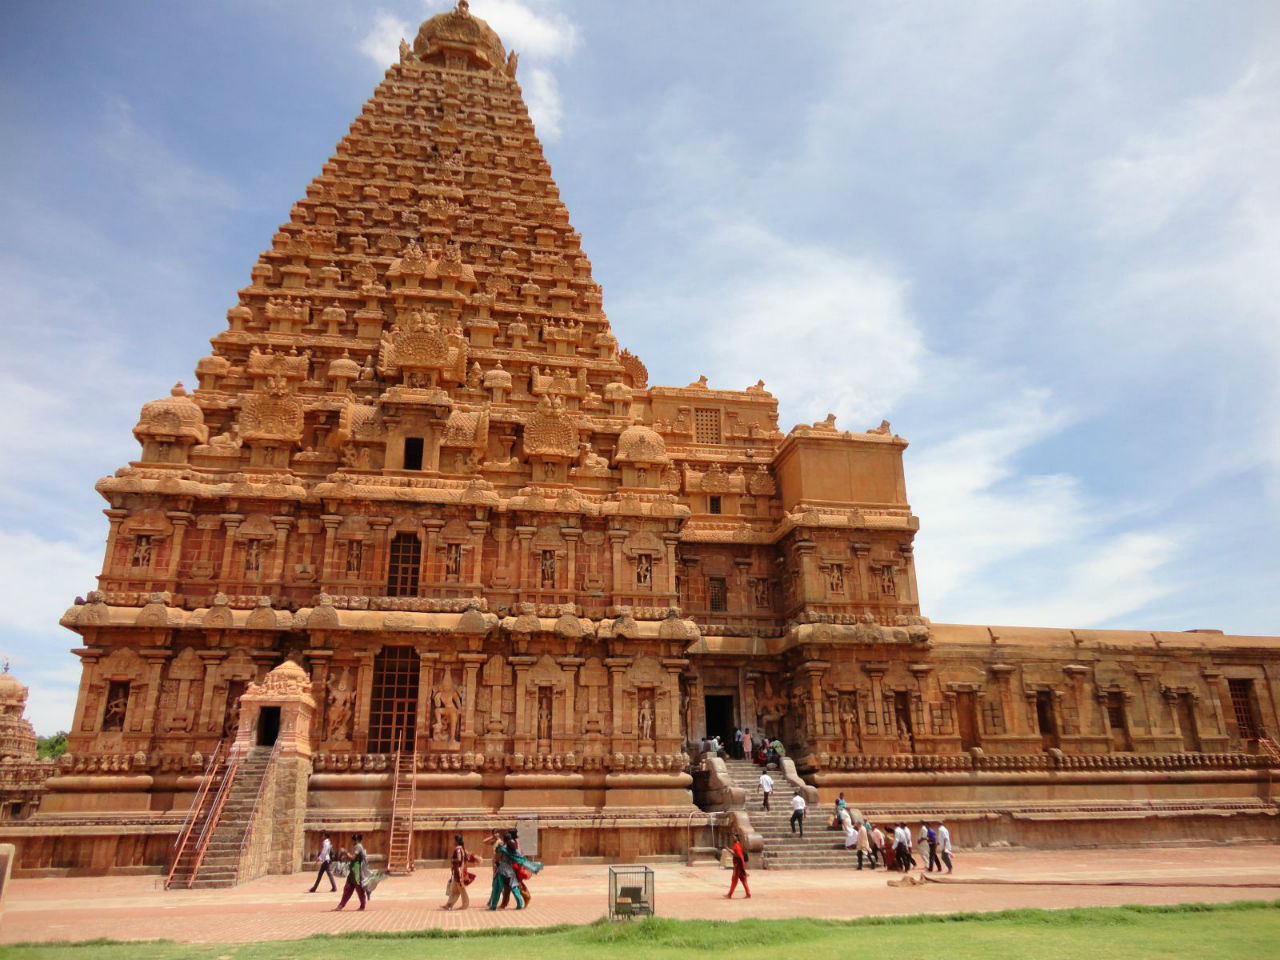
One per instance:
(413, 453)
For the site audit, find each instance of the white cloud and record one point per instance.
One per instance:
(382, 43)
(827, 332)
(537, 31)
(542, 96)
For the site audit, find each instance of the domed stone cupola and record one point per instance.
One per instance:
(459, 39)
(642, 454)
(169, 427)
(17, 737)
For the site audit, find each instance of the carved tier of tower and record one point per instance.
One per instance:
(419, 474)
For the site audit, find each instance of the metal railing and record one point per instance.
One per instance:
(197, 803)
(215, 813)
(396, 816)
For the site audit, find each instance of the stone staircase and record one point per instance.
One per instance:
(820, 848)
(220, 866)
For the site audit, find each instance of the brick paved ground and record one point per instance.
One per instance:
(279, 908)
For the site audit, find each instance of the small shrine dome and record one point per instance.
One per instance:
(176, 415)
(496, 378)
(640, 444)
(17, 736)
(458, 28)
(344, 368)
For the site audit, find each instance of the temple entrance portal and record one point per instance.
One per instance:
(268, 726)
(393, 707)
(720, 717)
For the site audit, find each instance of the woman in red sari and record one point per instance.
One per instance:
(739, 868)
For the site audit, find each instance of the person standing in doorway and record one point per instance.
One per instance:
(944, 843)
(766, 787)
(325, 859)
(355, 873)
(797, 813)
(739, 869)
(459, 875)
(737, 743)
(747, 744)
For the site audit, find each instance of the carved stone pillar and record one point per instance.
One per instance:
(671, 540)
(670, 736)
(88, 661)
(617, 675)
(283, 525)
(502, 570)
(327, 573)
(1004, 682)
(1146, 681)
(471, 667)
(180, 519)
(478, 529)
(521, 664)
(230, 523)
(381, 548)
(571, 535)
(115, 518)
(568, 725)
(155, 665)
(426, 671)
(210, 659)
(429, 536)
(1216, 692)
(364, 684)
(618, 579)
(810, 578)
(522, 580)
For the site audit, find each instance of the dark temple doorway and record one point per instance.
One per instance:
(268, 726)
(720, 718)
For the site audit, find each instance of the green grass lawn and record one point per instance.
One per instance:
(1245, 929)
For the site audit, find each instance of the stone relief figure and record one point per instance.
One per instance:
(544, 715)
(117, 705)
(644, 570)
(836, 578)
(448, 709)
(646, 719)
(142, 552)
(355, 557)
(253, 556)
(849, 718)
(339, 715)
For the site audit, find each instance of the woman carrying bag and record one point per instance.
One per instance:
(459, 875)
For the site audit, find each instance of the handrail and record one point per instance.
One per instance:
(184, 835)
(395, 803)
(253, 811)
(215, 813)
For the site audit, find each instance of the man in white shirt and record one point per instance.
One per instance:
(797, 813)
(944, 844)
(325, 859)
(766, 787)
(902, 846)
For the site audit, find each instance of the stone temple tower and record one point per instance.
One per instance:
(424, 550)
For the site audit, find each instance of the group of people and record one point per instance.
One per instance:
(895, 848)
(511, 871)
(361, 881)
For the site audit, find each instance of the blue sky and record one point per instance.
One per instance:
(1042, 239)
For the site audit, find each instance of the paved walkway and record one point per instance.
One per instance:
(279, 908)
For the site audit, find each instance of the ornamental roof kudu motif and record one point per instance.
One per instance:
(425, 548)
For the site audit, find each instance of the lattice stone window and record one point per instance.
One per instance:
(718, 594)
(402, 571)
(706, 425)
(1242, 705)
(714, 504)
